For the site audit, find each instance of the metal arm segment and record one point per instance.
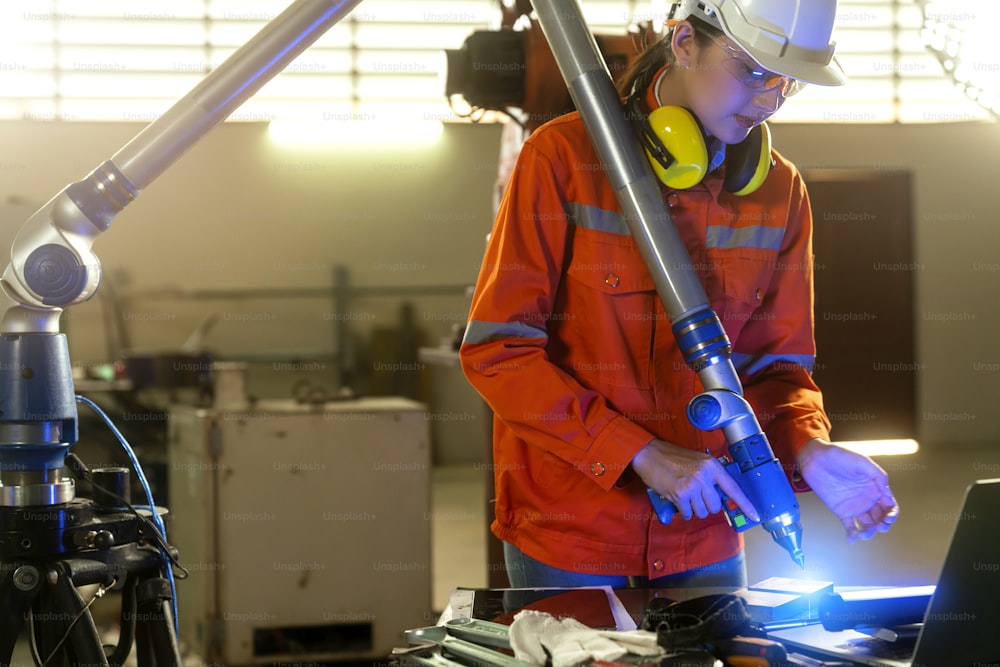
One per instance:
(51, 264)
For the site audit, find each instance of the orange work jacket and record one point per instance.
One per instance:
(569, 344)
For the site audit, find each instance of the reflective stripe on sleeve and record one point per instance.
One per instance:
(479, 331)
(748, 364)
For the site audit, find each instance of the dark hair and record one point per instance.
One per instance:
(640, 73)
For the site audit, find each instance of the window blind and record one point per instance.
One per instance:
(129, 60)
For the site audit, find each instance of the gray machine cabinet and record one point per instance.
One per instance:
(305, 529)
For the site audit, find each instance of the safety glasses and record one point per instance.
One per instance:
(753, 76)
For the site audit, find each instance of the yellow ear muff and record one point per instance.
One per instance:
(674, 142)
(748, 162)
(679, 132)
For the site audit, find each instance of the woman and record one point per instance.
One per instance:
(569, 344)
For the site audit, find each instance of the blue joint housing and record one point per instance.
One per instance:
(38, 417)
(701, 339)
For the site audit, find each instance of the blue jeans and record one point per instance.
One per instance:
(526, 572)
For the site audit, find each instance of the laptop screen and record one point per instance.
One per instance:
(962, 623)
(962, 626)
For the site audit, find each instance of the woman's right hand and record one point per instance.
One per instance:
(689, 479)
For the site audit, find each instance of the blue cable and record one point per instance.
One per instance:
(157, 520)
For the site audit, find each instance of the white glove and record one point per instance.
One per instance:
(536, 636)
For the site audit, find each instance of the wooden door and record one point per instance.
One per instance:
(865, 276)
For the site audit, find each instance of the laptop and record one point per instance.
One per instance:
(962, 623)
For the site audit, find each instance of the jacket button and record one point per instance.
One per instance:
(658, 565)
(673, 199)
(756, 295)
(597, 469)
(612, 280)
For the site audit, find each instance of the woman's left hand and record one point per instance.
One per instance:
(855, 488)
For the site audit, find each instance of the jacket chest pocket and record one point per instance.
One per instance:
(615, 307)
(738, 291)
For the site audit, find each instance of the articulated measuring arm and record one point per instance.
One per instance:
(52, 266)
(699, 333)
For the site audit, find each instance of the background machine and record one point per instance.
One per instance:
(305, 528)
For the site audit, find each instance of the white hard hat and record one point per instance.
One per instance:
(790, 37)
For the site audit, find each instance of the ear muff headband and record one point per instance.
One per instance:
(674, 142)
